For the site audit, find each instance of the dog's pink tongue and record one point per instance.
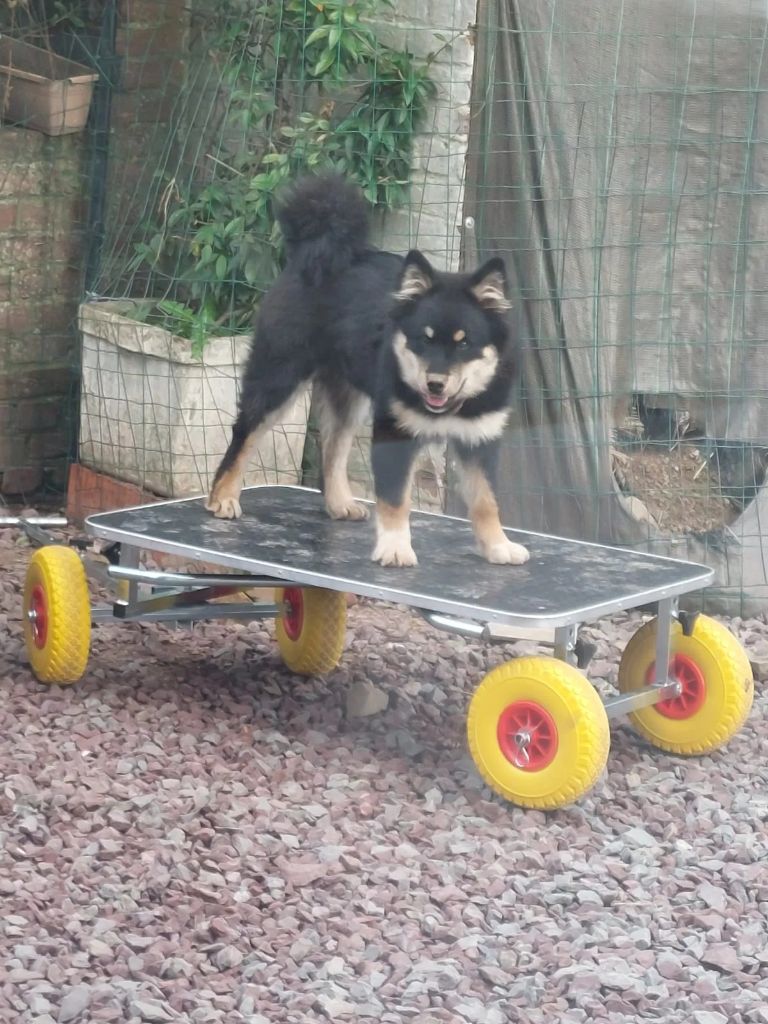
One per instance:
(436, 401)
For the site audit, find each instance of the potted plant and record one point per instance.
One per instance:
(38, 88)
(159, 387)
(210, 247)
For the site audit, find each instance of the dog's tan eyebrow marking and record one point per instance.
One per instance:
(429, 331)
(459, 336)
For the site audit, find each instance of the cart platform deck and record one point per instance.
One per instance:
(286, 534)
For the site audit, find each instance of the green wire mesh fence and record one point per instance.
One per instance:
(612, 154)
(200, 113)
(617, 161)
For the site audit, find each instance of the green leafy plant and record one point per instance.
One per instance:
(196, 325)
(306, 85)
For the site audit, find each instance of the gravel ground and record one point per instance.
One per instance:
(192, 834)
(677, 494)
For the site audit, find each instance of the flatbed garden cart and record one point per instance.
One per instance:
(538, 731)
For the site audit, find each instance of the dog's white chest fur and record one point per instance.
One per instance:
(432, 427)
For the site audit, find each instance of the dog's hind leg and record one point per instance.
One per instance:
(224, 499)
(257, 415)
(478, 471)
(340, 411)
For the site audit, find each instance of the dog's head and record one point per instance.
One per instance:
(450, 330)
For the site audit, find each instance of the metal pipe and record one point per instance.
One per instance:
(615, 707)
(544, 636)
(490, 632)
(130, 556)
(162, 598)
(33, 521)
(160, 578)
(463, 627)
(195, 613)
(666, 611)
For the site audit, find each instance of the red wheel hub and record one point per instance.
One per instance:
(293, 616)
(38, 616)
(527, 735)
(693, 688)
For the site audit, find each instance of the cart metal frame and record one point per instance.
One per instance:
(259, 548)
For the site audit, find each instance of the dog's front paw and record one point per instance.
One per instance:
(224, 508)
(347, 510)
(505, 552)
(394, 549)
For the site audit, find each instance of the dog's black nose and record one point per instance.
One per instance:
(435, 387)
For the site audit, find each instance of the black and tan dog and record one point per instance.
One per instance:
(430, 350)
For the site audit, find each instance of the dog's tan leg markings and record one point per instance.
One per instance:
(224, 499)
(336, 439)
(393, 534)
(494, 544)
(339, 499)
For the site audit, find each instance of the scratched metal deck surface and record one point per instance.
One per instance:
(285, 533)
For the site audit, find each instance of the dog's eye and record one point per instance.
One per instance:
(460, 339)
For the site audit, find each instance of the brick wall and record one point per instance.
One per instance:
(41, 247)
(151, 45)
(151, 41)
(42, 186)
(44, 191)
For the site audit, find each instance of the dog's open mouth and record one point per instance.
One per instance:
(443, 403)
(435, 403)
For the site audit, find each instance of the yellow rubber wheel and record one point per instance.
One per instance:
(57, 615)
(538, 732)
(310, 630)
(716, 682)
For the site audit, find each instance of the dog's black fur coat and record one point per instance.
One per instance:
(431, 350)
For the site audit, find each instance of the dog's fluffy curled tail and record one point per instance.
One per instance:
(324, 220)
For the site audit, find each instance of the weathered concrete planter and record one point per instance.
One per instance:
(43, 91)
(153, 415)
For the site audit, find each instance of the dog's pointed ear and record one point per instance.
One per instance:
(489, 286)
(416, 278)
